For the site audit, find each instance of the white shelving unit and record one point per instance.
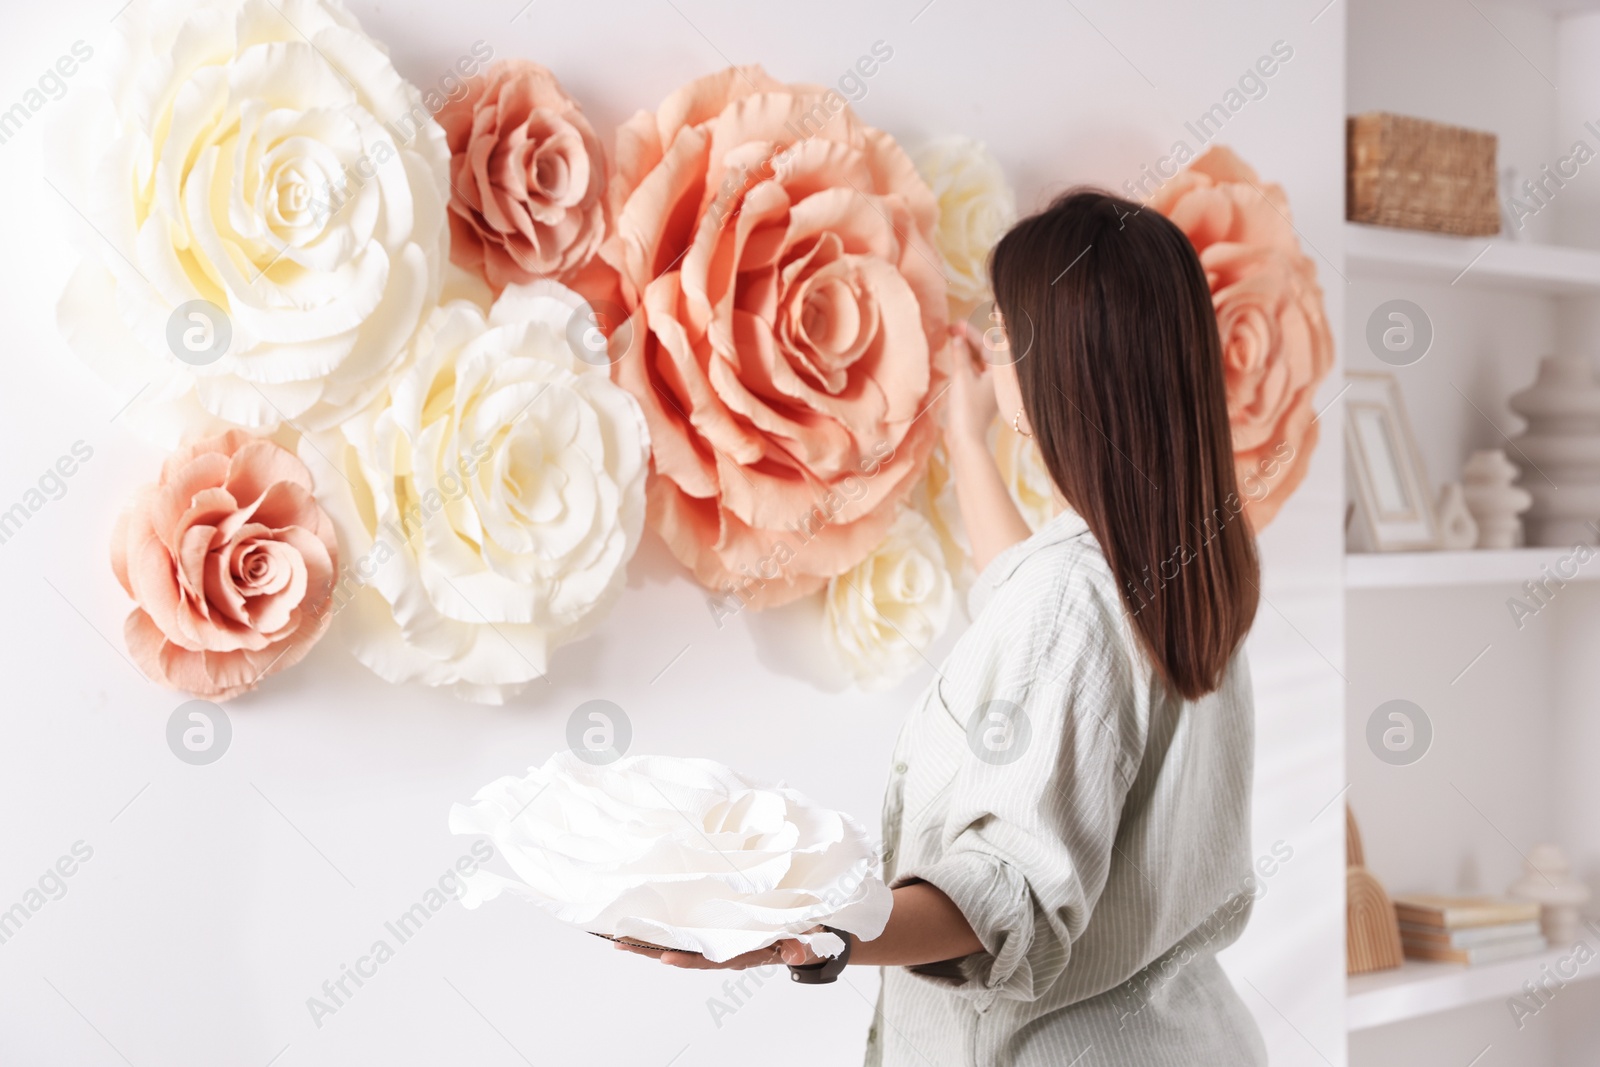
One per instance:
(1517, 734)
(1417, 988)
(1518, 266)
(1416, 570)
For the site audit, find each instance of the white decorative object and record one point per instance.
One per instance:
(1457, 529)
(1548, 881)
(489, 508)
(1494, 502)
(1559, 453)
(268, 202)
(682, 853)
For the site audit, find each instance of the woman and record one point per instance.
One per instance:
(1067, 826)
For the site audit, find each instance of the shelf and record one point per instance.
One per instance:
(1411, 570)
(1417, 988)
(1378, 252)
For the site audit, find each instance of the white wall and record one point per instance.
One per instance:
(221, 897)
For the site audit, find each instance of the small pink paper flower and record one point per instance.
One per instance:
(232, 563)
(528, 177)
(1277, 347)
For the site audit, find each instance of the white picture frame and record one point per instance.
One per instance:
(1394, 509)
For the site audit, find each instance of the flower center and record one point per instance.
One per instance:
(532, 478)
(253, 567)
(833, 326)
(550, 174)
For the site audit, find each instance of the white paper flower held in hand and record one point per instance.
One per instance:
(492, 505)
(883, 615)
(976, 208)
(683, 853)
(262, 156)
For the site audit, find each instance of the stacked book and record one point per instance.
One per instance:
(1467, 929)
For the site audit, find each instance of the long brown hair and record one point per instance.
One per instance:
(1120, 366)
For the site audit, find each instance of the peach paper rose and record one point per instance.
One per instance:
(231, 562)
(786, 337)
(528, 177)
(1276, 344)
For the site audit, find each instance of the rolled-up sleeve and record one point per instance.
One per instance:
(1027, 837)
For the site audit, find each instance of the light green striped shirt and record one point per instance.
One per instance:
(1092, 827)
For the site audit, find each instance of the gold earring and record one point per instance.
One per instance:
(1016, 424)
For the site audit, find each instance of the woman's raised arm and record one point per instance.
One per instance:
(991, 517)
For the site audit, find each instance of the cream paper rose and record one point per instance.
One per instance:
(1025, 475)
(269, 197)
(936, 499)
(492, 505)
(683, 853)
(883, 614)
(976, 208)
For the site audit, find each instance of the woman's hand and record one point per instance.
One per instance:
(991, 517)
(788, 952)
(924, 926)
(972, 400)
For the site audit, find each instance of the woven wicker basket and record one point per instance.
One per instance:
(1419, 175)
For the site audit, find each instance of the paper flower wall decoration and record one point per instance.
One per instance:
(231, 563)
(683, 853)
(885, 612)
(1277, 347)
(787, 337)
(492, 505)
(976, 208)
(275, 208)
(265, 159)
(527, 176)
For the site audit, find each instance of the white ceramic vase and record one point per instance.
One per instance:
(1559, 453)
(1494, 502)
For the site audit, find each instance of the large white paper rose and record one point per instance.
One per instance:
(883, 615)
(265, 158)
(683, 853)
(492, 504)
(976, 208)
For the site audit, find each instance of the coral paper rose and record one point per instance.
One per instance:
(231, 562)
(528, 177)
(269, 200)
(492, 505)
(787, 332)
(1276, 343)
(677, 852)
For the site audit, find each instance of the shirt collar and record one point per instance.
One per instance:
(1065, 526)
